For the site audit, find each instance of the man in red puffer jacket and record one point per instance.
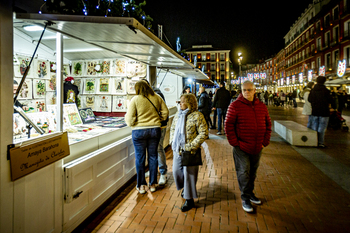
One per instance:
(248, 130)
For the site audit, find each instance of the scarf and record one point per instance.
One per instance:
(179, 135)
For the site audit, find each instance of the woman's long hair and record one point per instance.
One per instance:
(142, 88)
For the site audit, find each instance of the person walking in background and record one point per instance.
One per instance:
(215, 112)
(248, 130)
(188, 131)
(144, 115)
(221, 101)
(320, 99)
(204, 104)
(270, 98)
(266, 97)
(294, 97)
(307, 106)
(282, 98)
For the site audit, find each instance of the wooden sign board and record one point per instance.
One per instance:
(29, 158)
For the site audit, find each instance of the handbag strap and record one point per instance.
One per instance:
(153, 105)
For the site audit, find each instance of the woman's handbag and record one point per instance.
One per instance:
(189, 159)
(163, 123)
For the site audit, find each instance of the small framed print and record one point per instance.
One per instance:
(42, 69)
(39, 88)
(91, 68)
(104, 103)
(26, 91)
(118, 86)
(120, 67)
(131, 86)
(78, 68)
(119, 103)
(89, 85)
(51, 83)
(104, 86)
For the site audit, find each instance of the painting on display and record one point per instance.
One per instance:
(51, 83)
(39, 88)
(119, 86)
(79, 83)
(23, 63)
(72, 114)
(89, 85)
(88, 101)
(119, 103)
(104, 85)
(106, 67)
(103, 103)
(87, 115)
(136, 69)
(26, 91)
(91, 67)
(51, 97)
(131, 86)
(120, 67)
(78, 67)
(42, 69)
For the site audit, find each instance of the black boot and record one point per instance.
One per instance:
(189, 204)
(182, 194)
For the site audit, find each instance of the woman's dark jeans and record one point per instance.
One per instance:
(146, 140)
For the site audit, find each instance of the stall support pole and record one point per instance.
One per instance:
(152, 72)
(59, 80)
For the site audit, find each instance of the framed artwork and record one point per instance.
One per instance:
(118, 86)
(131, 86)
(104, 86)
(103, 103)
(92, 67)
(39, 88)
(52, 67)
(27, 89)
(78, 67)
(106, 67)
(87, 101)
(42, 69)
(51, 83)
(136, 69)
(79, 83)
(23, 63)
(119, 103)
(89, 85)
(51, 97)
(72, 114)
(120, 67)
(66, 71)
(87, 115)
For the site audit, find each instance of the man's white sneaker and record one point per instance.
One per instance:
(141, 189)
(152, 188)
(146, 174)
(162, 180)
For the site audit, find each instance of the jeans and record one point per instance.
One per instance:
(214, 118)
(295, 102)
(319, 124)
(246, 167)
(221, 117)
(146, 140)
(161, 154)
(309, 122)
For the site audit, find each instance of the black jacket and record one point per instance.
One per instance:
(222, 98)
(320, 98)
(204, 103)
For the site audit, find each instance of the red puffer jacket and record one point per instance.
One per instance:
(248, 125)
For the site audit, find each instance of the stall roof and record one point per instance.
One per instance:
(107, 37)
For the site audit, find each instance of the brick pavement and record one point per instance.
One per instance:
(296, 196)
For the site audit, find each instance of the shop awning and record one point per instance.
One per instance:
(91, 37)
(336, 82)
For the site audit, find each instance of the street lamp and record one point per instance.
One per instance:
(240, 58)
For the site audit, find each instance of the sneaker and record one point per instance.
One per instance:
(141, 189)
(152, 188)
(147, 174)
(162, 180)
(247, 206)
(219, 133)
(255, 200)
(322, 146)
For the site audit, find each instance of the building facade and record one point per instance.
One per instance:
(212, 61)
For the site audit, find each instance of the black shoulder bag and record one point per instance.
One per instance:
(163, 123)
(189, 159)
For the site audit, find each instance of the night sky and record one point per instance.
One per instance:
(255, 28)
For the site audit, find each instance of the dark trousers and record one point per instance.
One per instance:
(221, 117)
(146, 140)
(214, 118)
(246, 168)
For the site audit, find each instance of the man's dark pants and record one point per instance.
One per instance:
(246, 168)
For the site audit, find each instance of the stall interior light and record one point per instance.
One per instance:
(33, 28)
(189, 80)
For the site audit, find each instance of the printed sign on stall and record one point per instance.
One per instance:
(341, 68)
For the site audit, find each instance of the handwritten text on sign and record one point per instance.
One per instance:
(27, 159)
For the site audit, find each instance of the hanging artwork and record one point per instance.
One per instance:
(104, 85)
(72, 114)
(118, 86)
(51, 97)
(119, 104)
(104, 103)
(106, 67)
(88, 101)
(90, 85)
(91, 68)
(131, 86)
(120, 67)
(341, 68)
(21, 68)
(26, 91)
(42, 69)
(87, 115)
(78, 68)
(51, 83)
(66, 71)
(79, 83)
(135, 69)
(52, 67)
(39, 88)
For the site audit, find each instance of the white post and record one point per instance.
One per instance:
(59, 81)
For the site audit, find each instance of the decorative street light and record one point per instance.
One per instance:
(240, 58)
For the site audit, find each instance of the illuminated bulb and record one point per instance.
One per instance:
(97, 7)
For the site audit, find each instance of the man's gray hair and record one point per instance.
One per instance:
(249, 82)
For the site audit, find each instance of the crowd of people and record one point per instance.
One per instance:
(242, 116)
